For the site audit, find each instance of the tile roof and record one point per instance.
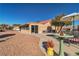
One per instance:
(44, 21)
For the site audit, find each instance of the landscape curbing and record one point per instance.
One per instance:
(40, 44)
(41, 48)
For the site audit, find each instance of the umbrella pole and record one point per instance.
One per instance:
(73, 25)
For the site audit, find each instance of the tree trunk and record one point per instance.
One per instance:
(60, 28)
(55, 29)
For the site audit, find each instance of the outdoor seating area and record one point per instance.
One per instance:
(69, 36)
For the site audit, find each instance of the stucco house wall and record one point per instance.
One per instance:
(42, 26)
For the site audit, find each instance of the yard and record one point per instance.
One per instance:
(20, 45)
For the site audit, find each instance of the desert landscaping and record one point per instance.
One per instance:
(20, 44)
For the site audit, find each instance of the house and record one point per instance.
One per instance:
(37, 27)
(16, 27)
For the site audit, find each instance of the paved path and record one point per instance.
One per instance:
(70, 50)
(20, 45)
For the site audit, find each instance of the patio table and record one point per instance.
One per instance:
(61, 49)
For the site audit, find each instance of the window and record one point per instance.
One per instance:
(27, 28)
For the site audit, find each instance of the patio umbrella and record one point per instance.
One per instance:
(71, 17)
(75, 15)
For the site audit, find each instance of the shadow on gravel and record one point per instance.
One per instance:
(77, 53)
(56, 54)
(6, 35)
(65, 54)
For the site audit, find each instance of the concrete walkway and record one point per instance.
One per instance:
(69, 50)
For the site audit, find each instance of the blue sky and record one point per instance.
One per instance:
(24, 13)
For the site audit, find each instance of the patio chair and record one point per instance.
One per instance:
(74, 40)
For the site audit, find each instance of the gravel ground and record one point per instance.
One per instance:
(20, 45)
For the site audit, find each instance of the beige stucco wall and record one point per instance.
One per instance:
(26, 31)
(41, 27)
